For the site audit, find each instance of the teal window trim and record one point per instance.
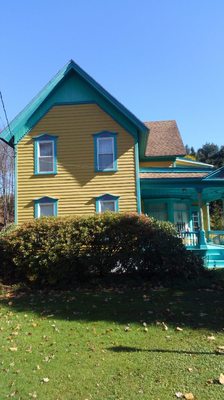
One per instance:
(37, 141)
(107, 197)
(101, 135)
(45, 200)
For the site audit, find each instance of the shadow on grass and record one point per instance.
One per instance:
(126, 349)
(196, 308)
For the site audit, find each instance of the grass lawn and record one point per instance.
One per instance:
(112, 344)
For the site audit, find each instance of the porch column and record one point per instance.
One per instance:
(202, 240)
(208, 216)
(223, 208)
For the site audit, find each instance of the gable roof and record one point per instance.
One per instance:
(164, 139)
(18, 124)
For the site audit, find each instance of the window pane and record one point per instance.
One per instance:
(46, 149)
(46, 164)
(107, 205)
(105, 146)
(106, 161)
(46, 210)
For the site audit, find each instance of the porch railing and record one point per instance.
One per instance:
(215, 237)
(190, 239)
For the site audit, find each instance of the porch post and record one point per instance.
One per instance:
(201, 219)
(202, 239)
(208, 216)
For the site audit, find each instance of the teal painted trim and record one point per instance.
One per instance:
(214, 173)
(105, 134)
(18, 125)
(137, 178)
(45, 200)
(107, 197)
(15, 185)
(43, 138)
(158, 158)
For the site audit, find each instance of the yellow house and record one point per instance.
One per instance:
(76, 150)
(79, 151)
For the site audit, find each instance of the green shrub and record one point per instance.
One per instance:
(55, 251)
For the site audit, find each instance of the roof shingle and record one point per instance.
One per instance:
(172, 175)
(164, 139)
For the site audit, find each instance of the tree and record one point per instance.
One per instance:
(208, 153)
(6, 183)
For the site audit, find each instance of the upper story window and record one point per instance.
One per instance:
(105, 151)
(45, 154)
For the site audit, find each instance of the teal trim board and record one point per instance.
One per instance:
(107, 197)
(105, 135)
(45, 200)
(71, 83)
(37, 141)
(138, 187)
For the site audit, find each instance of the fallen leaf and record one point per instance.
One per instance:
(178, 329)
(165, 327)
(211, 337)
(188, 396)
(45, 380)
(13, 348)
(179, 395)
(221, 379)
(190, 369)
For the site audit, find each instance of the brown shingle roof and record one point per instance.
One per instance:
(164, 139)
(172, 175)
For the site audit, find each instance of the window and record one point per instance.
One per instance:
(107, 202)
(45, 207)
(158, 211)
(45, 161)
(105, 148)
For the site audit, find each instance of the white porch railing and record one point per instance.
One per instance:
(215, 237)
(190, 239)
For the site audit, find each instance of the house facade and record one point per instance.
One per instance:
(79, 151)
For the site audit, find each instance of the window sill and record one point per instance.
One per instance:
(106, 170)
(44, 173)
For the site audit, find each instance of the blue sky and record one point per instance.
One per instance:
(163, 59)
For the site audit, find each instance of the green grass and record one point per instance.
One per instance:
(92, 344)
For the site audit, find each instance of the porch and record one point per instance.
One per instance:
(183, 199)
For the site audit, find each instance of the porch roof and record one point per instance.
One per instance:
(182, 184)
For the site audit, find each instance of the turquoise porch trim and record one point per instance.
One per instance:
(107, 197)
(45, 200)
(43, 138)
(105, 134)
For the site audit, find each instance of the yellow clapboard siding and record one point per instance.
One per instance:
(76, 184)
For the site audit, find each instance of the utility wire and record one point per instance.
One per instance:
(6, 117)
